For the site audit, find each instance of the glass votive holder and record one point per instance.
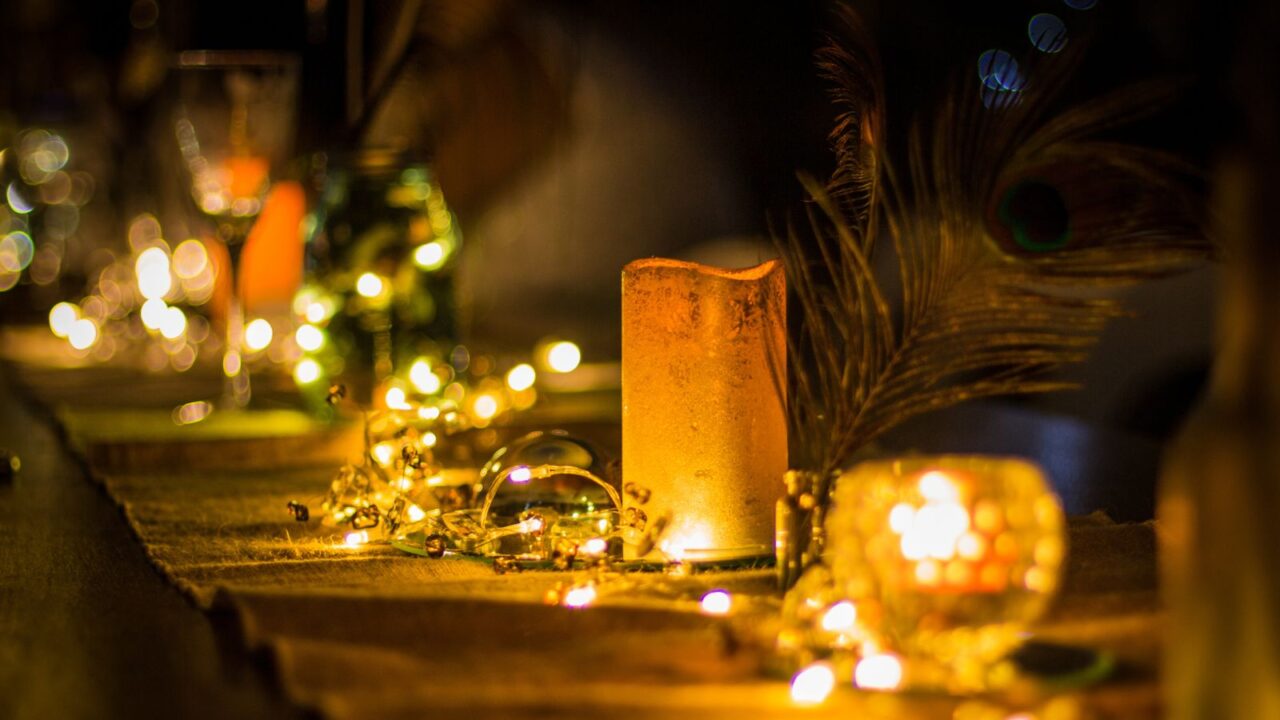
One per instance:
(958, 555)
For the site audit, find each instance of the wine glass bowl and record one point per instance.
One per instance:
(234, 123)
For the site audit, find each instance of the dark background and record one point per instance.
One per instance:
(572, 137)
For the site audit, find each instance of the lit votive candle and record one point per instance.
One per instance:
(961, 553)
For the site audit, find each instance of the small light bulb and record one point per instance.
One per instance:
(717, 602)
(813, 684)
(369, 285)
(594, 546)
(520, 475)
(258, 334)
(356, 539)
(521, 377)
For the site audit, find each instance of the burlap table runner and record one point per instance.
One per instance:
(377, 633)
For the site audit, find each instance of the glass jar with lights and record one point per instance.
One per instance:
(381, 245)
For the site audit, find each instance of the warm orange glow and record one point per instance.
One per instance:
(271, 262)
(703, 357)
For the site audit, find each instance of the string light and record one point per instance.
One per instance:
(716, 602)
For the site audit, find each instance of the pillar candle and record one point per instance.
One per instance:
(703, 405)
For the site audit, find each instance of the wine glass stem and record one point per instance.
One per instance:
(236, 388)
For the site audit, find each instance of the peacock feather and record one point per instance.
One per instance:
(1006, 216)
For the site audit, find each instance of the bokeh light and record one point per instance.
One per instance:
(152, 270)
(153, 313)
(521, 377)
(813, 684)
(563, 357)
(174, 323)
(716, 602)
(61, 317)
(430, 256)
(258, 334)
(881, 671)
(309, 337)
(16, 251)
(306, 371)
(426, 381)
(1047, 32)
(369, 285)
(999, 70)
(190, 259)
(83, 334)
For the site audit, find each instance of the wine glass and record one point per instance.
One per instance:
(234, 124)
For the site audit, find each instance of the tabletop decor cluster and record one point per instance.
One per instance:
(971, 263)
